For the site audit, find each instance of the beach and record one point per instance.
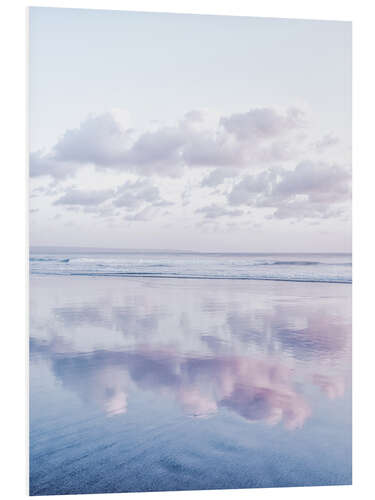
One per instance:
(150, 384)
(190, 239)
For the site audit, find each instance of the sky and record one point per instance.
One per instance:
(189, 132)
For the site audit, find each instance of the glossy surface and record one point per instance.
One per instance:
(141, 384)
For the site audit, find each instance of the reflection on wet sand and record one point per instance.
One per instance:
(255, 362)
(152, 384)
(254, 389)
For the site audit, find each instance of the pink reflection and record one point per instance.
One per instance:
(255, 389)
(195, 403)
(332, 387)
(310, 342)
(116, 405)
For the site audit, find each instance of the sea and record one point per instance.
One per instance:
(317, 267)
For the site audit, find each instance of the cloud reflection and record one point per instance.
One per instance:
(202, 349)
(257, 390)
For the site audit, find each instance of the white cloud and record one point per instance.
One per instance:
(46, 165)
(326, 142)
(310, 190)
(140, 195)
(74, 196)
(218, 176)
(214, 211)
(263, 123)
(143, 215)
(259, 136)
(99, 140)
(133, 194)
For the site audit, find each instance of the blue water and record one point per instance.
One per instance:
(333, 268)
(150, 384)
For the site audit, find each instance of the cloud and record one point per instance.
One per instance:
(186, 194)
(218, 176)
(133, 194)
(318, 180)
(258, 136)
(100, 211)
(75, 196)
(214, 211)
(99, 140)
(163, 203)
(304, 209)
(263, 123)
(312, 189)
(143, 215)
(252, 187)
(42, 165)
(326, 142)
(158, 151)
(50, 190)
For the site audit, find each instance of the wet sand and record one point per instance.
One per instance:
(140, 384)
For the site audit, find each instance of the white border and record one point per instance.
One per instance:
(14, 234)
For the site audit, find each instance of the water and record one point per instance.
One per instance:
(333, 268)
(144, 384)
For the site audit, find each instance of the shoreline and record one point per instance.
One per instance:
(153, 276)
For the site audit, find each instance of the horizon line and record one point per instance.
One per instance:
(122, 249)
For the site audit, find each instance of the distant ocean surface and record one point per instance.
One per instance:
(305, 267)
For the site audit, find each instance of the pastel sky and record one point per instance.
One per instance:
(208, 133)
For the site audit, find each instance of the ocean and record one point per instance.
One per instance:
(331, 268)
(155, 371)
